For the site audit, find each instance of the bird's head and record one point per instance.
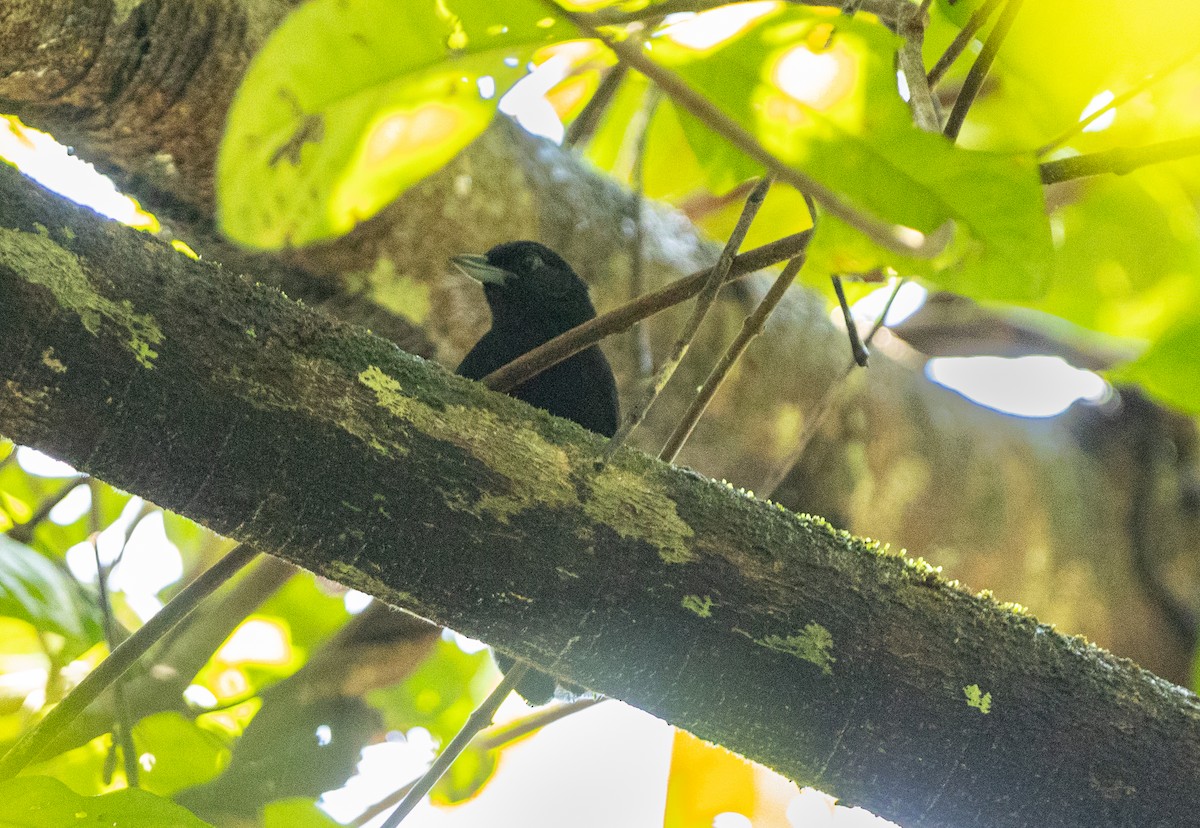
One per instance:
(527, 283)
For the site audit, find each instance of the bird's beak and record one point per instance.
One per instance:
(478, 268)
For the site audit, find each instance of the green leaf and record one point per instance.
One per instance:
(311, 611)
(296, 813)
(42, 802)
(350, 102)
(1167, 370)
(440, 694)
(671, 168)
(176, 754)
(465, 777)
(35, 590)
(294, 747)
(1118, 281)
(819, 91)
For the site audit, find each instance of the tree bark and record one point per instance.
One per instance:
(828, 658)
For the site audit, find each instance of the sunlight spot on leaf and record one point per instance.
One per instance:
(711, 28)
(816, 79)
(410, 130)
(257, 640)
(231, 683)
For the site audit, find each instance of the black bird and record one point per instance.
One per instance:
(534, 296)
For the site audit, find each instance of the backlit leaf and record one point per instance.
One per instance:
(352, 101)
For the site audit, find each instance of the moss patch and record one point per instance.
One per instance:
(700, 606)
(542, 474)
(636, 507)
(40, 261)
(52, 362)
(812, 645)
(978, 699)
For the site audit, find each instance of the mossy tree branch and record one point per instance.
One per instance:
(823, 656)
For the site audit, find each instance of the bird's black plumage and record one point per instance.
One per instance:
(534, 296)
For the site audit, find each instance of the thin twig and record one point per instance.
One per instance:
(1118, 161)
(122, 726)
(480, 718)
(565, 346)
(858, 351)
(584, 126)
(500, 735)
(121, 659)
(825, 404)
(961, 41)
(642, 352)
(704, 302)
(979, 69)
(896, 238)
(912, 64)
(1128, 95)
(752, 326)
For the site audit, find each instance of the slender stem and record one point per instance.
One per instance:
(825, 404)
(896, 238)
(480, 718)
(566, 345)
(122, 729)
(584, 126)
(751, 327)
(912, 64)
(704, 302)
(642, 352)
(501, 735)
(1119, 161)
(121, 659)
(979, 69)
(961, 41)
(858, 351)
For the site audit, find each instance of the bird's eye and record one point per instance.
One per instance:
(534, 261)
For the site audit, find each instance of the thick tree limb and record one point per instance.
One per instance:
(837, 663)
